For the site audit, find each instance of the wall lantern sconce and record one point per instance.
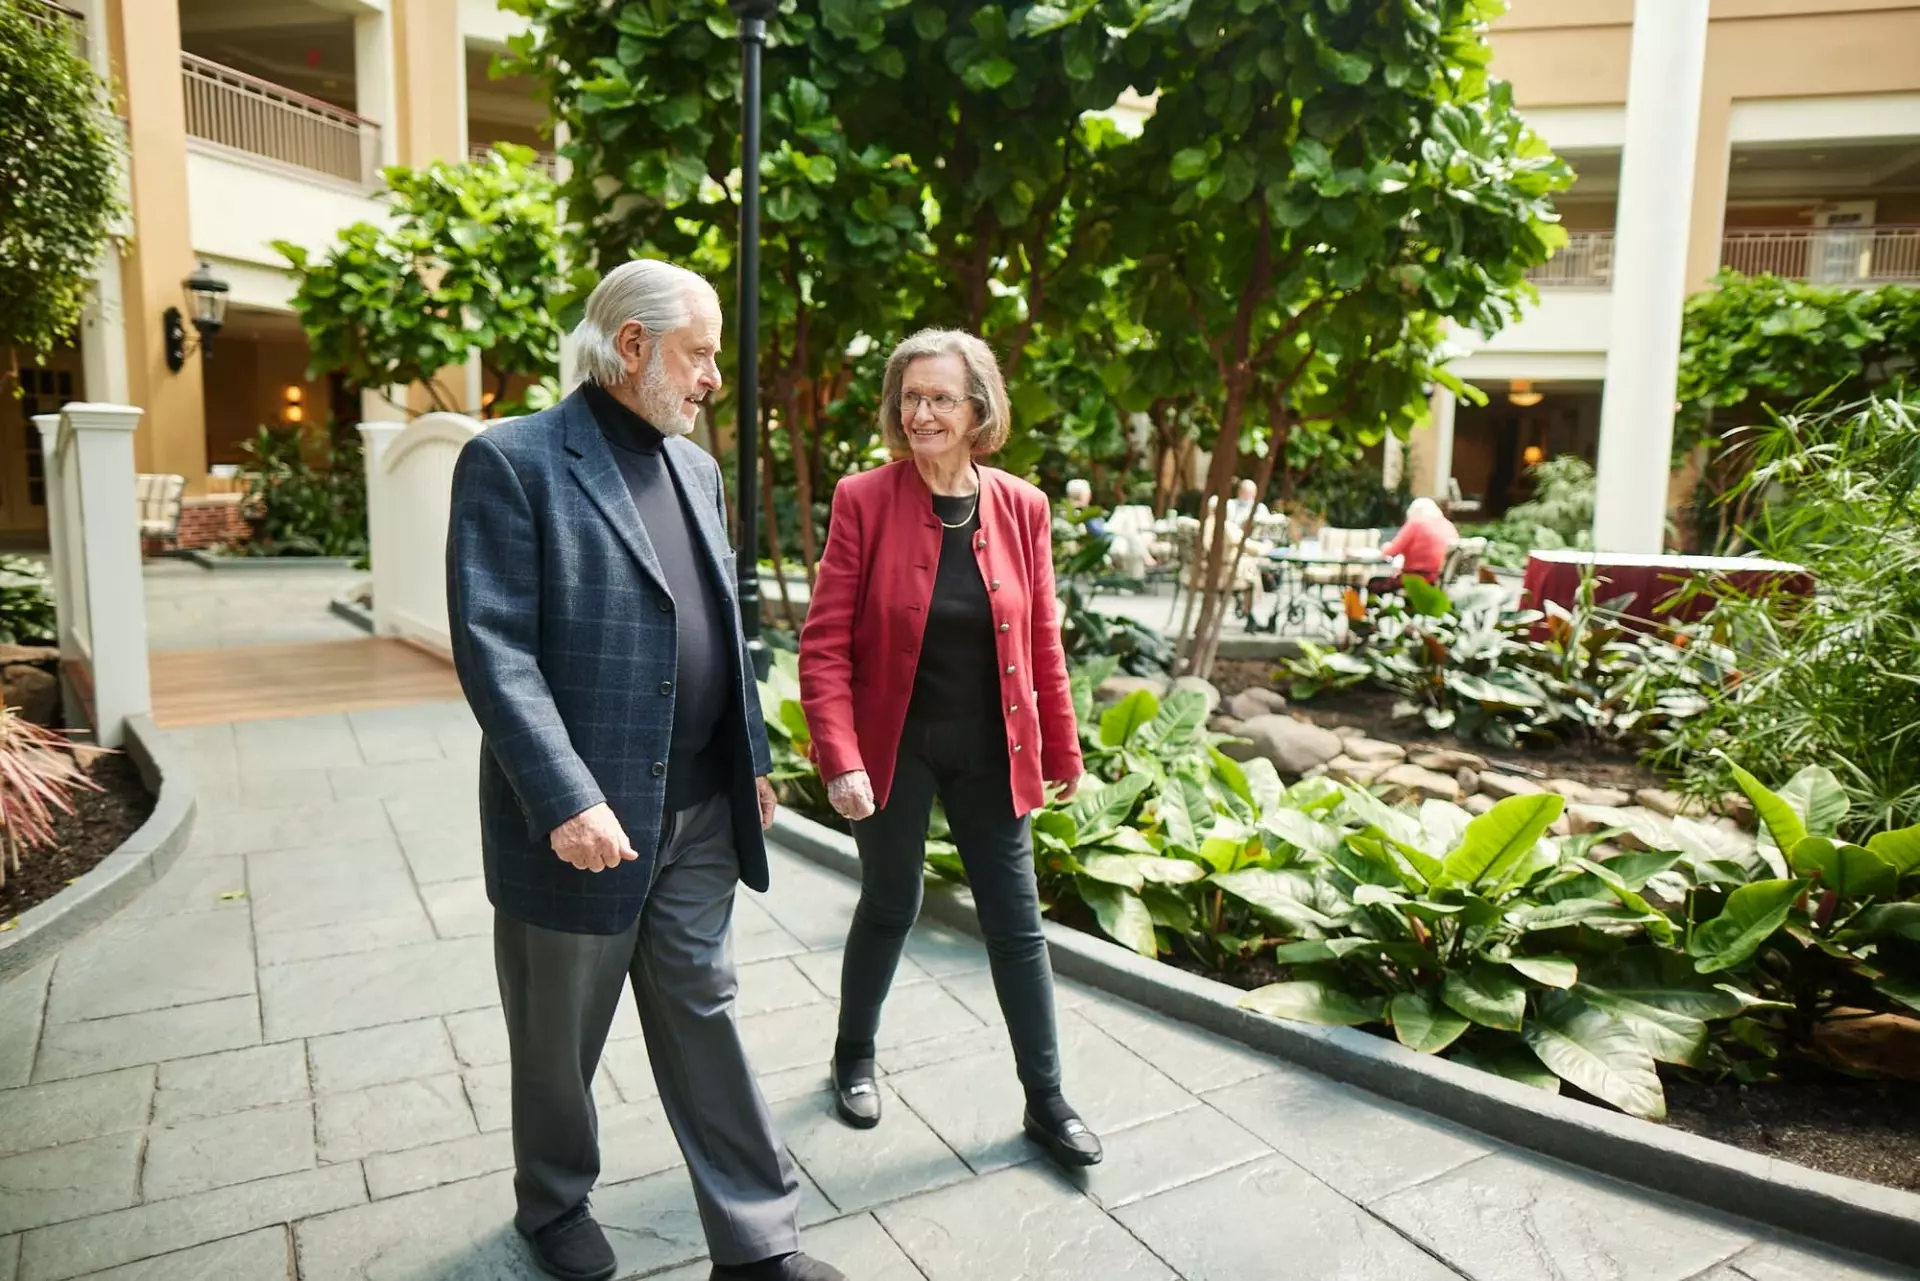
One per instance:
(1533, 455)
(1520, 394)
(206, 297)
(294, 410)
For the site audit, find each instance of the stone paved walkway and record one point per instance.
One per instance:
(287, 1060)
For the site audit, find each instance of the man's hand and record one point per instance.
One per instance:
(592, 840)
(768, 802)
(851, 795)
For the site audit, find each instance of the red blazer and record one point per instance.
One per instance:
(860, 646)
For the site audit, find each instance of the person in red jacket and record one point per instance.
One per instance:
(931, 665)
(1421, 545)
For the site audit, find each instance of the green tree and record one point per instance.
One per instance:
(469, 265)
(60, 188)
(1322, 183)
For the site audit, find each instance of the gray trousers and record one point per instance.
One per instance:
(560, 992)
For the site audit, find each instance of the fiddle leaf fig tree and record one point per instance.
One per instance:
(468, 265)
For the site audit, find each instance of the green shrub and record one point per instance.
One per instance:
(305, 509)
(1560, 514)
(26, 602)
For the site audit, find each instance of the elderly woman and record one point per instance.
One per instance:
(1421, 545)
(931, 665)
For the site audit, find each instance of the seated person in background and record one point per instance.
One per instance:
(1420, 546)
(1080, 494)
(1242, 507)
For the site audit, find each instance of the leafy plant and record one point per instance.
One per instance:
(1560, 514)
(304, 509)
(1079, 564)
(26, 602)
(794, 775)
(38, 776)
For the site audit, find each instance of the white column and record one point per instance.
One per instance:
(375, 437)
(1393, 461)
(1442, 404)
(1650, 238)
(373, 95)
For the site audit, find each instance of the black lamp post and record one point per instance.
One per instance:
(206, 298)
(753, 15)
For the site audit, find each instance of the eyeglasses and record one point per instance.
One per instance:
(942, 405)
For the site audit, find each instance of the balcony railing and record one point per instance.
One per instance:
(1875, 255)
(1584, 262)
(247, 114)
(545, 161)
(70, 23)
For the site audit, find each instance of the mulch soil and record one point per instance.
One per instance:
(1863, 1129)
(100, 824)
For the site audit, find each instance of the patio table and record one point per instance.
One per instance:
(1285, 574)
(1555, 576)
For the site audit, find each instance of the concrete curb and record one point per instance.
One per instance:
(1858, 1216)
(122, 875)
(358, 615)
(268, 564)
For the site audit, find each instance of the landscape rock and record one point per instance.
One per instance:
(1583, 818)
(1646, 830)
(1348, 732)
(1447, 760)
(1348, 769)
(32, 691)
(1667, 804)
(1224, 725)
(1880, 1044)
(1115, 688)
(1500, 786)
(1256, 700)
(1372, 749)
(11, 654)
(1587, 794)
(1478, 804)
(1469, 780)
(1293, 746)
(1204, 687)
(1410, 782)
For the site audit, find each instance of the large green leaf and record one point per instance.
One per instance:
(1283, 896)
(1661, 978)
(1306, 1001)
(1500, 838)
(1115, 869)
(1885, 920)
(1263, 784)
(1750, 917)
(1783, 824)
(1168, 871)
(1486, 994)
(1100, 809)
(1553, 971)
(1817, 797)
(1850, 871)
(1178, 816)
(1298, 830)
(1900, 848)
(1510, 1058)
(1179, 717)
(1119, 723)
(1669, 1037)
(1657, 923)
(1580, 911)
(1121, 914)
(1598, 1052)
(1424, 1024)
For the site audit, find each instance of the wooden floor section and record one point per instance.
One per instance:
(264, 682)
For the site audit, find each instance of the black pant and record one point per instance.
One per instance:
(966, 765)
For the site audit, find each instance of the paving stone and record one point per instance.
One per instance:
(626, 1064)
(763, 945)
(479, 1036)
(793, 1083)
(1361, 1146)
(792, 1038)
(635, 1141)
(858, 1169)
(822, 968)
(941, 950)
(459, 909)
(919, 1013)
(231, 1081)
(9, 1258)
(89, 1176)
(1192, 1059)
(296, 742)
(380, 1056)
(332, 885)
(22, 1002)
(130, 966)
(974, 1105)
(194, 885)
(291, 827)
(441, 856)
(45, 1116)
(1041, 1229)
(389, 735)
(322, 941)
(415, 812)
(456, 783)
(214, 1152)
(653, 1222)
(974, 989)
(208, 749)
(1800, 1261)
(772, 985)
(264, 790)
(459, 1232)
(1111, 1086)
(266, 1254)
(101, 1045)
(1169, 1152)
(857, 1245)
(813, 905)
(490, 1091)
(341, 993)
(1508, 1217)
(943, 1049)
(417, 1169)
(392, 1118)
(1240, 1223)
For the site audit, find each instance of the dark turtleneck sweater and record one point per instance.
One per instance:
(697, 764)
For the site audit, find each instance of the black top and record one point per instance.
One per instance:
(697, 760)
(959, 676)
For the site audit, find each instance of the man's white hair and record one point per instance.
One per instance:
(657, 294)
(1080, 489)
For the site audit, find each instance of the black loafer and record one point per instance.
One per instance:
(573, 1248)
(795, 1267)
(857, 1098)
(1071, 1142)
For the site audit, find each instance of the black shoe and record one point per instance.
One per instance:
(794, 1267)
(856, 1097)
(1070, 1142)
(573, 1248)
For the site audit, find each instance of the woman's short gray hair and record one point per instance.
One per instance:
(652, 292)
(985, 388)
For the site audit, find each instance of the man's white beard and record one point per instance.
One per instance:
(660, 404)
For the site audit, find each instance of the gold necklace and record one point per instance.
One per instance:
(965, 520)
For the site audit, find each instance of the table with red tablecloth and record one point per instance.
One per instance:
(1554, 576)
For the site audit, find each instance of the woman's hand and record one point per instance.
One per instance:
(851, 795)
(1066, 789)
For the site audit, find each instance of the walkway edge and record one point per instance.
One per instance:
(121, 876)
(1863, 1217)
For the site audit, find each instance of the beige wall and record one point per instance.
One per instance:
(246, 390)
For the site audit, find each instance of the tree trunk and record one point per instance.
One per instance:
(1207, 648)
(1226, 450)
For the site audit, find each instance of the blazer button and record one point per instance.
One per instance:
(1005, 626)
(666, 687)
(1016, 747)
(1009, 669)
(666, 607)
(659, 769)
(994, 586)
(1013, 707)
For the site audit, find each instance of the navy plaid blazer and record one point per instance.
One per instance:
(563, 635)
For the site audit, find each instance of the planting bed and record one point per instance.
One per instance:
(100, 824)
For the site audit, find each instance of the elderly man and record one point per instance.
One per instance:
(623, 768)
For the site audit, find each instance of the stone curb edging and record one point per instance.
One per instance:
(358, 615)
(271, 564)
(1864, 1217)
(122, 875)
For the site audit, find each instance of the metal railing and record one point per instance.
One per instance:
(1866, 255)
(545, 161)
(1584, 262)
(245, 113)
(58, 18)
